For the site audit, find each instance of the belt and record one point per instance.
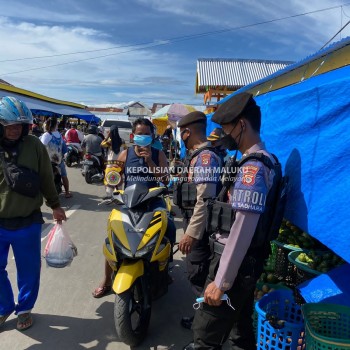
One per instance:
(110, 162)
(216, 246)
(115, 162)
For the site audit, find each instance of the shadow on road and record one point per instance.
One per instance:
(64, 332)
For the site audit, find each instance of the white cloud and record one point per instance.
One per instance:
(128, 69)
(163, 74)
(28, 10)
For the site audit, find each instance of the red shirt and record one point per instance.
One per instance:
(72, 136)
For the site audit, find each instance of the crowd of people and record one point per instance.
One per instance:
(224, 240)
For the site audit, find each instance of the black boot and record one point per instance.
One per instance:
(186, 322)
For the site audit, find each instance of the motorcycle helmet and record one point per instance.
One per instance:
(93, 129)
(14, 111)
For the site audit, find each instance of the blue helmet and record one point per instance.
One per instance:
(14, 111)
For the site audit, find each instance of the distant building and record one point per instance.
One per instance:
(109, 113)
(105, 109)
(138, 110)
(157, 106)
(219, 77)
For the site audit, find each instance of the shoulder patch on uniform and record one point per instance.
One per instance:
(205, 158)
(112, 177)
(249, 174)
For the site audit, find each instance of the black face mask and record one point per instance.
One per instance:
(229, 142)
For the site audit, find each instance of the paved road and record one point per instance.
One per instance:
(66, 316)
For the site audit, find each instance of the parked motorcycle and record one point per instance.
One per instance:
(92, 168)
(72, 156)
(138, 252)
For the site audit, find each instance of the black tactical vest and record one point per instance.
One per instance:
(221, 215)
(185, 193)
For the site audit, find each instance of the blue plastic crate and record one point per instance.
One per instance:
(280, 322)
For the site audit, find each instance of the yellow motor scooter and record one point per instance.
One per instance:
(138, 252)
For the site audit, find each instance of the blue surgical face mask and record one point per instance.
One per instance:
(143, 140)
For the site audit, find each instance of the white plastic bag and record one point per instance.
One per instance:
(59, 249)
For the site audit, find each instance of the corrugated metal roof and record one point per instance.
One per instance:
(232, 74)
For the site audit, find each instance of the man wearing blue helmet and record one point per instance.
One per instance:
(25, 179)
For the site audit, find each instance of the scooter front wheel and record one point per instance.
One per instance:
(132, 312)
(89, 174)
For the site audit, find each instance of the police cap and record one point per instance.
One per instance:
(215, 135)
(191, 118)
(236, 106)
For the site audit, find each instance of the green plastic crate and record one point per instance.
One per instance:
(271, 260)
(284, 269)
(327, 326)
(302, 271)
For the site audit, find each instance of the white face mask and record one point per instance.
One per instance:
(199, 301)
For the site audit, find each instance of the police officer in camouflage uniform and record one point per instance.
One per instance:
(237, 258)
(199, 183)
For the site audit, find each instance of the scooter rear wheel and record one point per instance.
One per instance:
(68, 162)
(132, 312)
(89, 174)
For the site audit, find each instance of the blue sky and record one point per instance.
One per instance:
(146, 64)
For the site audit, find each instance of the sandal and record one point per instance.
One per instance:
(101, 291)
(3, 319)
(25, 321)
(68, 195)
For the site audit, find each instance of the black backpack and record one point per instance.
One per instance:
(270, 221)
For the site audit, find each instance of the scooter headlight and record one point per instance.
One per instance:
(149, 247)
(120, 248)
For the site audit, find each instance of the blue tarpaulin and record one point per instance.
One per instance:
(90, 118)
(332, 287)
(307, 125)
(46, 108)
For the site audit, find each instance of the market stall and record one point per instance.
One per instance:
(46, 106)
(306, 125)
(305, 122)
